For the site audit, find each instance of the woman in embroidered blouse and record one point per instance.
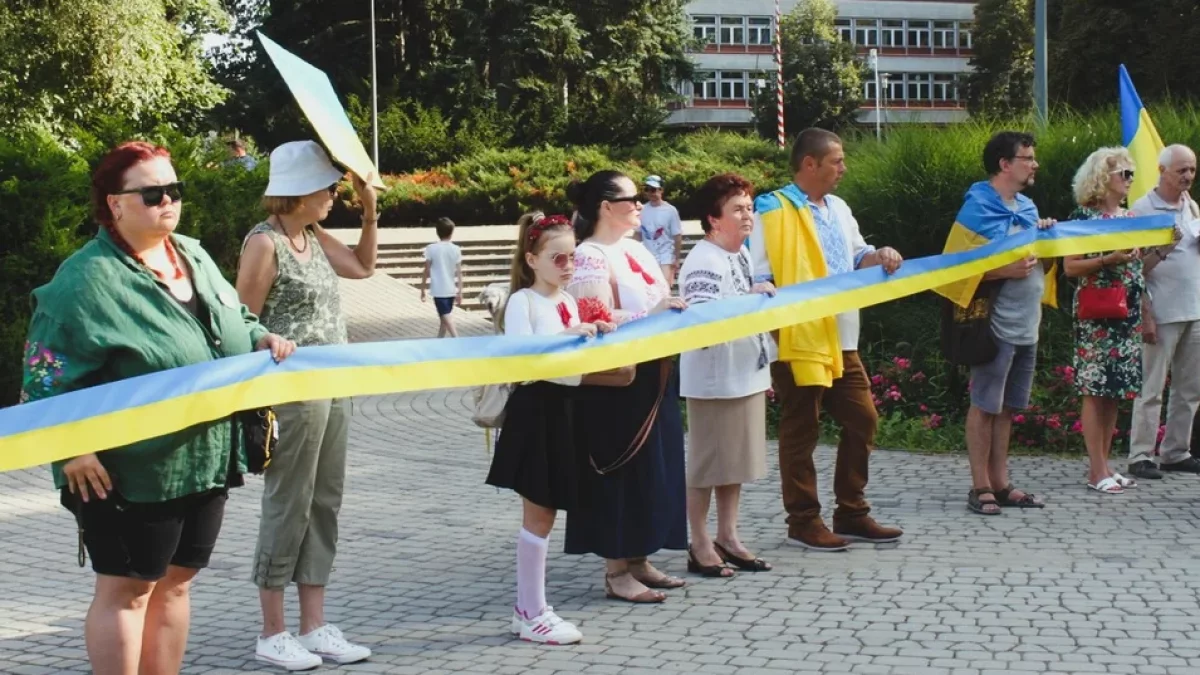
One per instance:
(1108, 357)
(639, 506)
(725, 385)
(289, 272)
(135, 300)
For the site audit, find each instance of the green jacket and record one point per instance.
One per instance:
(104, 317)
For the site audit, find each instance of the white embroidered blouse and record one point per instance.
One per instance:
(625, 267)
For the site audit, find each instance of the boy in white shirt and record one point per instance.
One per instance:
(443, 266)
(661, 231)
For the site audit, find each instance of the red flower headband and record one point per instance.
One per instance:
(546, 223)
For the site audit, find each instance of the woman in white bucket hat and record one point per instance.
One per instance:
(289, 276)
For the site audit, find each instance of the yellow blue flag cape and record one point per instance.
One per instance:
(985, 218)
(1140, 137)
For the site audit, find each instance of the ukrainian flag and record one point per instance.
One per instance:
(1140, 137)
(984, 218)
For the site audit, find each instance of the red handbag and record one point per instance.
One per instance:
(1102, 303)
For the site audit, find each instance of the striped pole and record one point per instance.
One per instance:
(779, 75)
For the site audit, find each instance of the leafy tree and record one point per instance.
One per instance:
(822, 78)
(65, 62)
(1001, 79)
(556, 70)
(1156, 40)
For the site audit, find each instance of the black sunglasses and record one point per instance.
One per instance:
(153, 195)
(1127, 174)
(633, 198)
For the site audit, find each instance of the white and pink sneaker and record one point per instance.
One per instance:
(548, 628)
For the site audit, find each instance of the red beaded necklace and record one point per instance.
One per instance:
(124, 246)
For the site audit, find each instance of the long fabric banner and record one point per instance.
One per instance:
(120, 413)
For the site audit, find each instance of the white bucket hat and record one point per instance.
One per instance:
(300, 168)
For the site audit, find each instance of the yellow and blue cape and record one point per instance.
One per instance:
(985, 218)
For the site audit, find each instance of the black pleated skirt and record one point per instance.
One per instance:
(535, 454)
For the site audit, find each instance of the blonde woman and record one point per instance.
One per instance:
(1108, 339)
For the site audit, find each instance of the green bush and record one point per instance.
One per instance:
(43, 196)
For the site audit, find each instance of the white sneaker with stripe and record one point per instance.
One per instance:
(548, 628)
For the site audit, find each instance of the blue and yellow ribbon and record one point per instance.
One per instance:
(127, 411)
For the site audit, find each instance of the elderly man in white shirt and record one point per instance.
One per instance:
(1172, 339)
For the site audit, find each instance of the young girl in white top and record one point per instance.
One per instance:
(535, 453)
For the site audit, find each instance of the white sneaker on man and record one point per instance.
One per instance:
(328, 643)
(548, 629)
(285, 651)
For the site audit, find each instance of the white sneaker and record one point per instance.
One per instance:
(285, 651)
(548, 629)
(328, 643)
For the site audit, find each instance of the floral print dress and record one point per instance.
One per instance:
(1108, 352)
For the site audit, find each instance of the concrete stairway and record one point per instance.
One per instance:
(485, 262)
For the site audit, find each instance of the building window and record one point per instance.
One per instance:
(866, 32)
(704, 28)
(944, 88)
(893, 89)
(869, 91)
(759, 32)
(964, 35)
(733, 86)
(844, 29)
(918, 34)
(943, 35)
(733, 30)
(918, 86)
(893, 33)
(704, 85)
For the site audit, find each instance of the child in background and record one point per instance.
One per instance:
(661, 231)
(443, 266)
(535, 453)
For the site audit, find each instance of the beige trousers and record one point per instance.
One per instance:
(1177, 351)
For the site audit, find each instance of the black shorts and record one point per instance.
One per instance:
(139, 541)
(444, 305)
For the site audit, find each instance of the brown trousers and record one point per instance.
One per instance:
(848, 401)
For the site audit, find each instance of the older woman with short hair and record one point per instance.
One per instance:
(725, 385)
(139, 299)
(289, 270)
(1108, 338)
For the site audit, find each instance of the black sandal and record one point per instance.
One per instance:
(1029, 501)
(744, 564)
(713, 571)
(981, 507)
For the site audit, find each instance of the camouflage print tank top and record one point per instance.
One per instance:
(304, 303)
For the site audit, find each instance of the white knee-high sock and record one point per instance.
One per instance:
(531, 573)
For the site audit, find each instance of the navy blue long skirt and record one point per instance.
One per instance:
(641, 507)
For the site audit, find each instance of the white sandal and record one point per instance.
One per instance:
(1108, 486)
(1127, 483)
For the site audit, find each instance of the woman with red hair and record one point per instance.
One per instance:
(138, 299)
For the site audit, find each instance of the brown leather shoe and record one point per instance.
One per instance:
(817, 537)
(864, 528)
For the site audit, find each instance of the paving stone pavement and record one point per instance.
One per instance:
(1092, 584)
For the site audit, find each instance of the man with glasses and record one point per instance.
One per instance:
(1003, 386)
(662, 230)
(1172, 339)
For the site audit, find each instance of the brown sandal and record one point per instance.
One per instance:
(646, 597)
(666, 581)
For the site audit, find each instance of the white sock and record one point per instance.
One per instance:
(531, 573)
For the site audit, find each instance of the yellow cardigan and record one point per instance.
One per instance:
(789, 234)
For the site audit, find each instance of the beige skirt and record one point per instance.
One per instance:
(727, 440)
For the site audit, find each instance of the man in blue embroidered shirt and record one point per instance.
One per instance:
(803, 232)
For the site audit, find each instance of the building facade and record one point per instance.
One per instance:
(924, 48)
